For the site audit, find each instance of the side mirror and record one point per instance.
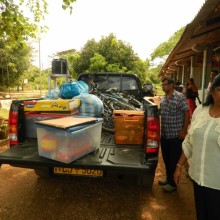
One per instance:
(148, 90)
(147, 93)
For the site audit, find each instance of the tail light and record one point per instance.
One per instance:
(13, 127)
(152, 135)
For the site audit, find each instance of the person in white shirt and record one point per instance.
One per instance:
(202, 146)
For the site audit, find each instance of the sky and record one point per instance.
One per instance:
(144, 24)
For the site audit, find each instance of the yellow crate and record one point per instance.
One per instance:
(52, 105)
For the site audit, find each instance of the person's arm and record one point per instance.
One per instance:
(194, 88)
(208, 88)
(183, 132)
(200, 102)
(179, 167)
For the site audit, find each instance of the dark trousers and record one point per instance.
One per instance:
(171, 151)
(207, 202)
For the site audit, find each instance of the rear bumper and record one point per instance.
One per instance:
(107, 159)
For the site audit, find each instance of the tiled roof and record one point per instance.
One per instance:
(204, 30)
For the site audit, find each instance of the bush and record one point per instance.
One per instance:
(3, 131)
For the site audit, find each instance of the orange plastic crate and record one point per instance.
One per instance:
(129, 127)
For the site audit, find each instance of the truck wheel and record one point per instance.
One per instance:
(44, 173)
(145, 180)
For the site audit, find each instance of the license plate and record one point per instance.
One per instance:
(75, 171)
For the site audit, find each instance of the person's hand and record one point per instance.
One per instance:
(177, 175)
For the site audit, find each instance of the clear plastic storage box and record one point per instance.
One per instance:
(67, 145)
(31, 117)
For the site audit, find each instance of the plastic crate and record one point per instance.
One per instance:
(31, 117)
(68, 145)
(129, 127)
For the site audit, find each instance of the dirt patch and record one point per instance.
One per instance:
(24, 196)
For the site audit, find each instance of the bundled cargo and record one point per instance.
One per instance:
(91, 105)
(72, 89)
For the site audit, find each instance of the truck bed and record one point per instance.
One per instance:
(108, 156)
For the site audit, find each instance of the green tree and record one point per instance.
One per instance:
(97, 63)
(82, 63)
(108, 54)
(15, 26)
(113, 55)
(115, 67)
(15, 31)
(140, 68)
(159, 56)
(117, 52)
(163, 50)
(14, 60)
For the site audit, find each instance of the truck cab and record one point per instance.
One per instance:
(125, 83)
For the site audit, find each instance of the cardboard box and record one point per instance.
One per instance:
(67, 122)
(52, 105)
(129, 127)
(68, 145)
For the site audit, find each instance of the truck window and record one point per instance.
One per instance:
(129, 83)
(114, 82)
(122, 83)
(101, 82)
(105, 83)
